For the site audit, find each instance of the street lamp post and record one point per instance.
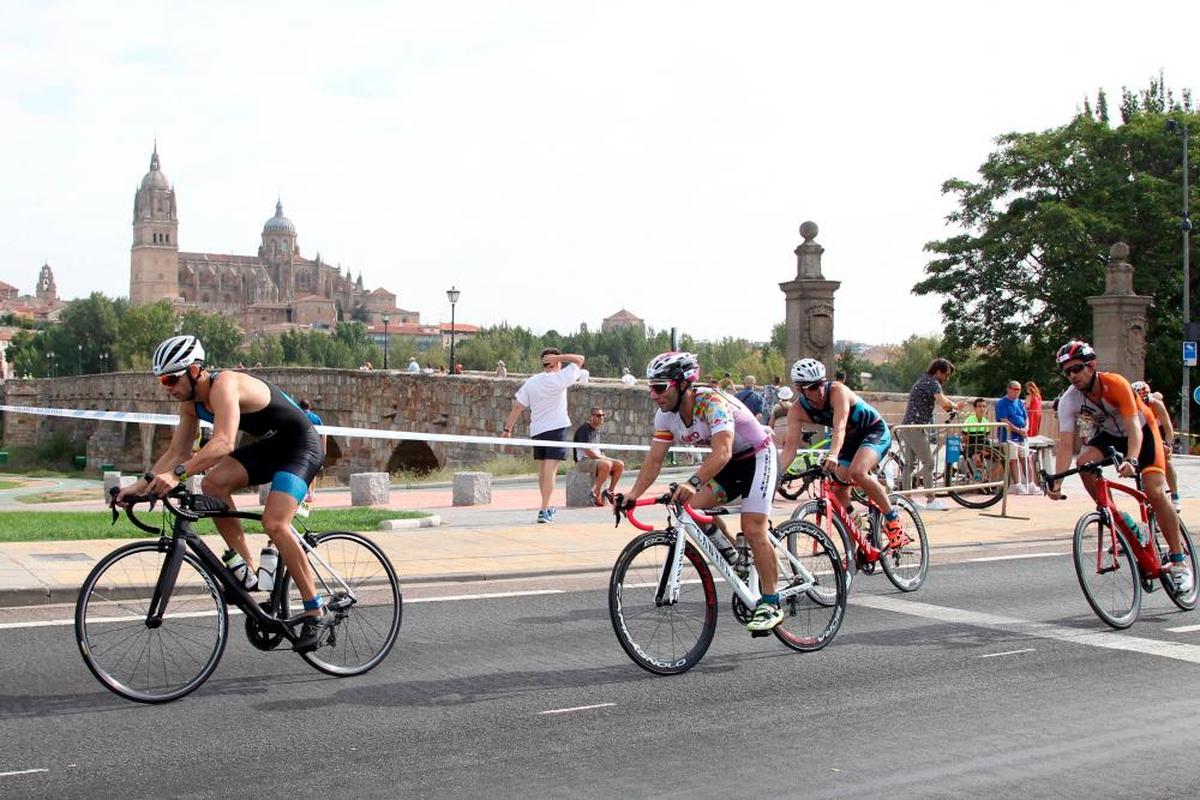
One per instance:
(452, 295)
(50, 358)
(386, 341)
(79, 359)
(104, 362)
(1185, 225)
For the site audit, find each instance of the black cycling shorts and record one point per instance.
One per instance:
(287, 464)
(1151, 455)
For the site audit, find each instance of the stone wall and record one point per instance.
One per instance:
(465, 404)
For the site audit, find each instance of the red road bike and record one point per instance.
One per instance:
(1114, 564)
(905, 560)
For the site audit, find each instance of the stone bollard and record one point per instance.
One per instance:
(118, 480)
(472, 488)
(369, 489)
(263, 491)
(579, 488)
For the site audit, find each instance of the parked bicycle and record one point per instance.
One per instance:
(152, 621)
(905, 560)
(1113, 563)
(663, 602)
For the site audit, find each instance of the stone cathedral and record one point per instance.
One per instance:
(275, 290)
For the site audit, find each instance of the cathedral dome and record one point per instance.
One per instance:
(155, 179)
(279, 223)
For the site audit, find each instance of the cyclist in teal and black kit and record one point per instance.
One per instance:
(859, 440)
(286, 455)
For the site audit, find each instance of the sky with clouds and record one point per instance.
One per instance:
(555, 161)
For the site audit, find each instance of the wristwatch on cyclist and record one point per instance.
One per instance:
(1133, 462)
(180, 473)
(695, 482)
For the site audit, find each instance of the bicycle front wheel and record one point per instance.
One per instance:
(149, 661)
(907, 564)
(661, 636)
(832, 527)
(811, 618)
(361, 589)
(1108, 573)
(1185, 600)
(981, 465)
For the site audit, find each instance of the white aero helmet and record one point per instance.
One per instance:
(177, 354)
(808, 370)
(674, 365)
(1141, 389)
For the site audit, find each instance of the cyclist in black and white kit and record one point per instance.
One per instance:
(742, 462)
(287, 455)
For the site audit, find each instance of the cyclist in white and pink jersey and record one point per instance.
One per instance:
(742, 462)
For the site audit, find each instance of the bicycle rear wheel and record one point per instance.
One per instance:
(812, 618)
(663, 637)
(905, 566)
(1107, 571)
(839, 537)
(361, 589)
(981, 465)
(1185, 600)
(141, 660)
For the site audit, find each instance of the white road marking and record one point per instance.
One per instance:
(55, 623)
(1041, 630)
(1013, 558)
(489, 596)
(21, 772)
(1184, 629)
(576, 708)
(1008, 653)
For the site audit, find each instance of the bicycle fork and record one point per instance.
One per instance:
(166, 583)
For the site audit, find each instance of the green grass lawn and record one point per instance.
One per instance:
(39, 526)
(10, 485)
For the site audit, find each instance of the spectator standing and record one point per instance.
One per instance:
(458, 369)
(1011, 411)
(501, 370)
(592, 460)
(627, 377)
(750, 397)
(1033, 407)
(545, 395)
(413, 366)
(922, 397)
(770, 396)
(726, 383)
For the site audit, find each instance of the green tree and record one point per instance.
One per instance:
(1035, 233)
(221, 336)
(140, 331)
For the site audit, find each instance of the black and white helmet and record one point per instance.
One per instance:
(674, 365)
(808, 370)
(177, 354)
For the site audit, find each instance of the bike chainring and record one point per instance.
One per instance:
(258, 637)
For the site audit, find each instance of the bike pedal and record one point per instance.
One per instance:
(759, 634)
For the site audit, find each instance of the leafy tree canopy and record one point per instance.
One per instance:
(1035, 231)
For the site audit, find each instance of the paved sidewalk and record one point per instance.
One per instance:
(502, 541)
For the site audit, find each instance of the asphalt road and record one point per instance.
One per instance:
(948, 692)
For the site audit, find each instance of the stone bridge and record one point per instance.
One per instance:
(461, 404)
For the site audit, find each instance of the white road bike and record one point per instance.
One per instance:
(663, 602)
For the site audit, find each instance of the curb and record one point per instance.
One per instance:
(432, 521)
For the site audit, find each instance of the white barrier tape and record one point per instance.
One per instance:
(337, 430)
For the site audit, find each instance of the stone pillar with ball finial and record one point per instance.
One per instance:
(1119, 319)
(809, 301)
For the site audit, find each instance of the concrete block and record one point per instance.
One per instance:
(118, 480)
(369, 489)
(472, 488)
(579, 488)
(263, 491)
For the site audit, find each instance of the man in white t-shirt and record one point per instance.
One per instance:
(545, 395)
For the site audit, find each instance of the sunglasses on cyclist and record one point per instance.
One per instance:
(172, 379)
(811, 386)
(1072, 370)
(659, 388)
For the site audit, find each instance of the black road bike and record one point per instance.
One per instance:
(152, 617)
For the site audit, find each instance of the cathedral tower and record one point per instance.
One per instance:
(279, 249)
(154, 258)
